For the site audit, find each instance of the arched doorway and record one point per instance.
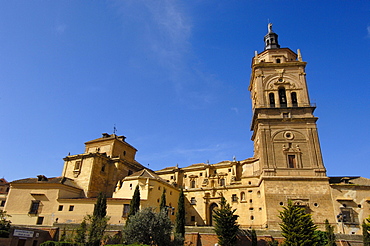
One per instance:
(211, 212)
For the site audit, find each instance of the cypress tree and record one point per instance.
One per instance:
(330, 236)
(98, 220)
(297, 227)
(81, 233)
(254, 237)
(180, 215)
(226, 226)
(135, 202)
(366, 231)
(162, 204)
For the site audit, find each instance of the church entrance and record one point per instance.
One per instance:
(211, 212)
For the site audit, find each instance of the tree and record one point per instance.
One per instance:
(330, 236)
(63, 236)
(81, 233)
(226, 226)
(180, 215)
(4, 224)
(254, 237)
(135, 202)
(162, 204)
(98, 221)
(297, 226)
(148, 227)
(366, 231)
(273, 242)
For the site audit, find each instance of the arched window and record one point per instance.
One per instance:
(222, 182)
(272, 100)
(192, 184)
(294, 99)
(242, 196)
(282, 97)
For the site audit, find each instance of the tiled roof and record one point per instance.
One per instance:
(54, 180)
(146, 173)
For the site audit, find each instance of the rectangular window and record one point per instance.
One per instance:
(60, 208)
(2, 203)
(77, 165)
(193, 201)
(292, 162)
(40, 220)
(71, 208)
(222, 182)
(234, 198)
(34, 209)
(192, 218)
(126, 210)
(347, 215)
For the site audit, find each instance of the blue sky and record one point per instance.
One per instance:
(173, 77)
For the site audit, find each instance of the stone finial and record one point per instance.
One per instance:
(299, 55)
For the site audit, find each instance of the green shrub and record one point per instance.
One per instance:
(48, 243)
(4, 234)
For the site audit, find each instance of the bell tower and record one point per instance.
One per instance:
(286, 142)
(284, 127)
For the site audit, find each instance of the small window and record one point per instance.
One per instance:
(252, 217)
(185, 176)
(192, 218)
(40, 220)
(242, 196)
(2, 203)
(77, 165)
(346, 215)
(130, 186)
(259, 193)
(278, 60)
(272, 100)
(222, 182)
(251, 208)
(201, 174)
(60, 208)
(192, 184)
(286, 115)
(71, 207)
(171, 177)
(294, 99)
(170, 192)
(292, 162)
(103, 168)
(250, 200)
(193, 201)
(124, 153)
(159, 188)
(126, 210)
(234, 198)
(229, 170)
(34, 209)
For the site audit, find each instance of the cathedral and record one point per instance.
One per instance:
(287, 165)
